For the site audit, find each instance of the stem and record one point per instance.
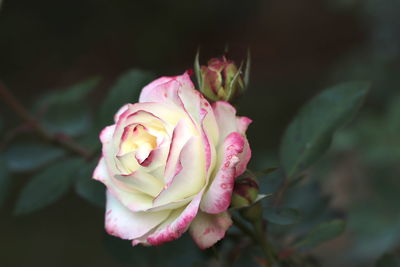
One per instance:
(58, 139)
(264, 244)
(246, 230)
(279, 195)
(258, 237)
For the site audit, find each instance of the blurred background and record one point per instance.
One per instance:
(298, 48)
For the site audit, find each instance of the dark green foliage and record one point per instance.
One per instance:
(28, 156)
(48, 186)
(67, 111)
(310, 133)
(88, 188)
(282, 216)
(322, 233)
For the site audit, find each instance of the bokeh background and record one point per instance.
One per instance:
(298, 48)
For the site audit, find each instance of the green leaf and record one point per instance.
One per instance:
(321, 233)
(197, 70)
(24, 156)
(5, 182)
(310, 133)
(66, 111)
(47, 186)
(282, 216)
(89, 189)
(388, 260)
(125, 90)
(265, 171)
(246, 77)
(75, 93)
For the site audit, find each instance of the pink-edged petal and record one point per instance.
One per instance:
(149, 114)
(134, 200)
(101, 172)
(129, 197)
(225, 115)
(120, 112)
(210, 126)
(123, 223)
(189, 98)
(208, 229)
(181, 134)
(176, 224)
(218, 196)
(242, 124)
(162, 90)
(156, 160)
(106, 134)
(192, 176)
(244, 159)
(209, 145)
(179, 91)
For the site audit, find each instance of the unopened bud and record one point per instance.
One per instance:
(245, 192)
(221, 79)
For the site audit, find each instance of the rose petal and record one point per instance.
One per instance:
(133, 200)
(225, 115)
(120, 112)
(244, 159)
(180, 91)
(181, 134)
(123, 223)
(242, 124)
(218, 196)
(207, 229)
(143, 181)
(190, 179)
(100, 172)
(149, 113)
(189, 98)
(176, 224)
(209, 145)
(107, 134)
(162, 90)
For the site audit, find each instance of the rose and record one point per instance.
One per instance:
(169, 164)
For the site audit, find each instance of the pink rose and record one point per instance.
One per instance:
(169, 164)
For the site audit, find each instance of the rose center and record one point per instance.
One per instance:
(136, 138)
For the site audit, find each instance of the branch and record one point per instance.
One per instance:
(58, 139)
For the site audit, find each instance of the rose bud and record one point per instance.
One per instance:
(222, 79)
(169, 164)
(245, 192)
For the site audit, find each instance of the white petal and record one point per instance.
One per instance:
(192, 176)
(126, 224)
(207, 229)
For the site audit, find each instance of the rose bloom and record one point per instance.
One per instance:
(169, 164)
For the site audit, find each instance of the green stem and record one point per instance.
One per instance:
(258, 237)
(58, 139)
(264, 244)
(246, 230)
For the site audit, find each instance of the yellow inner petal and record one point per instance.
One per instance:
(136, 137)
